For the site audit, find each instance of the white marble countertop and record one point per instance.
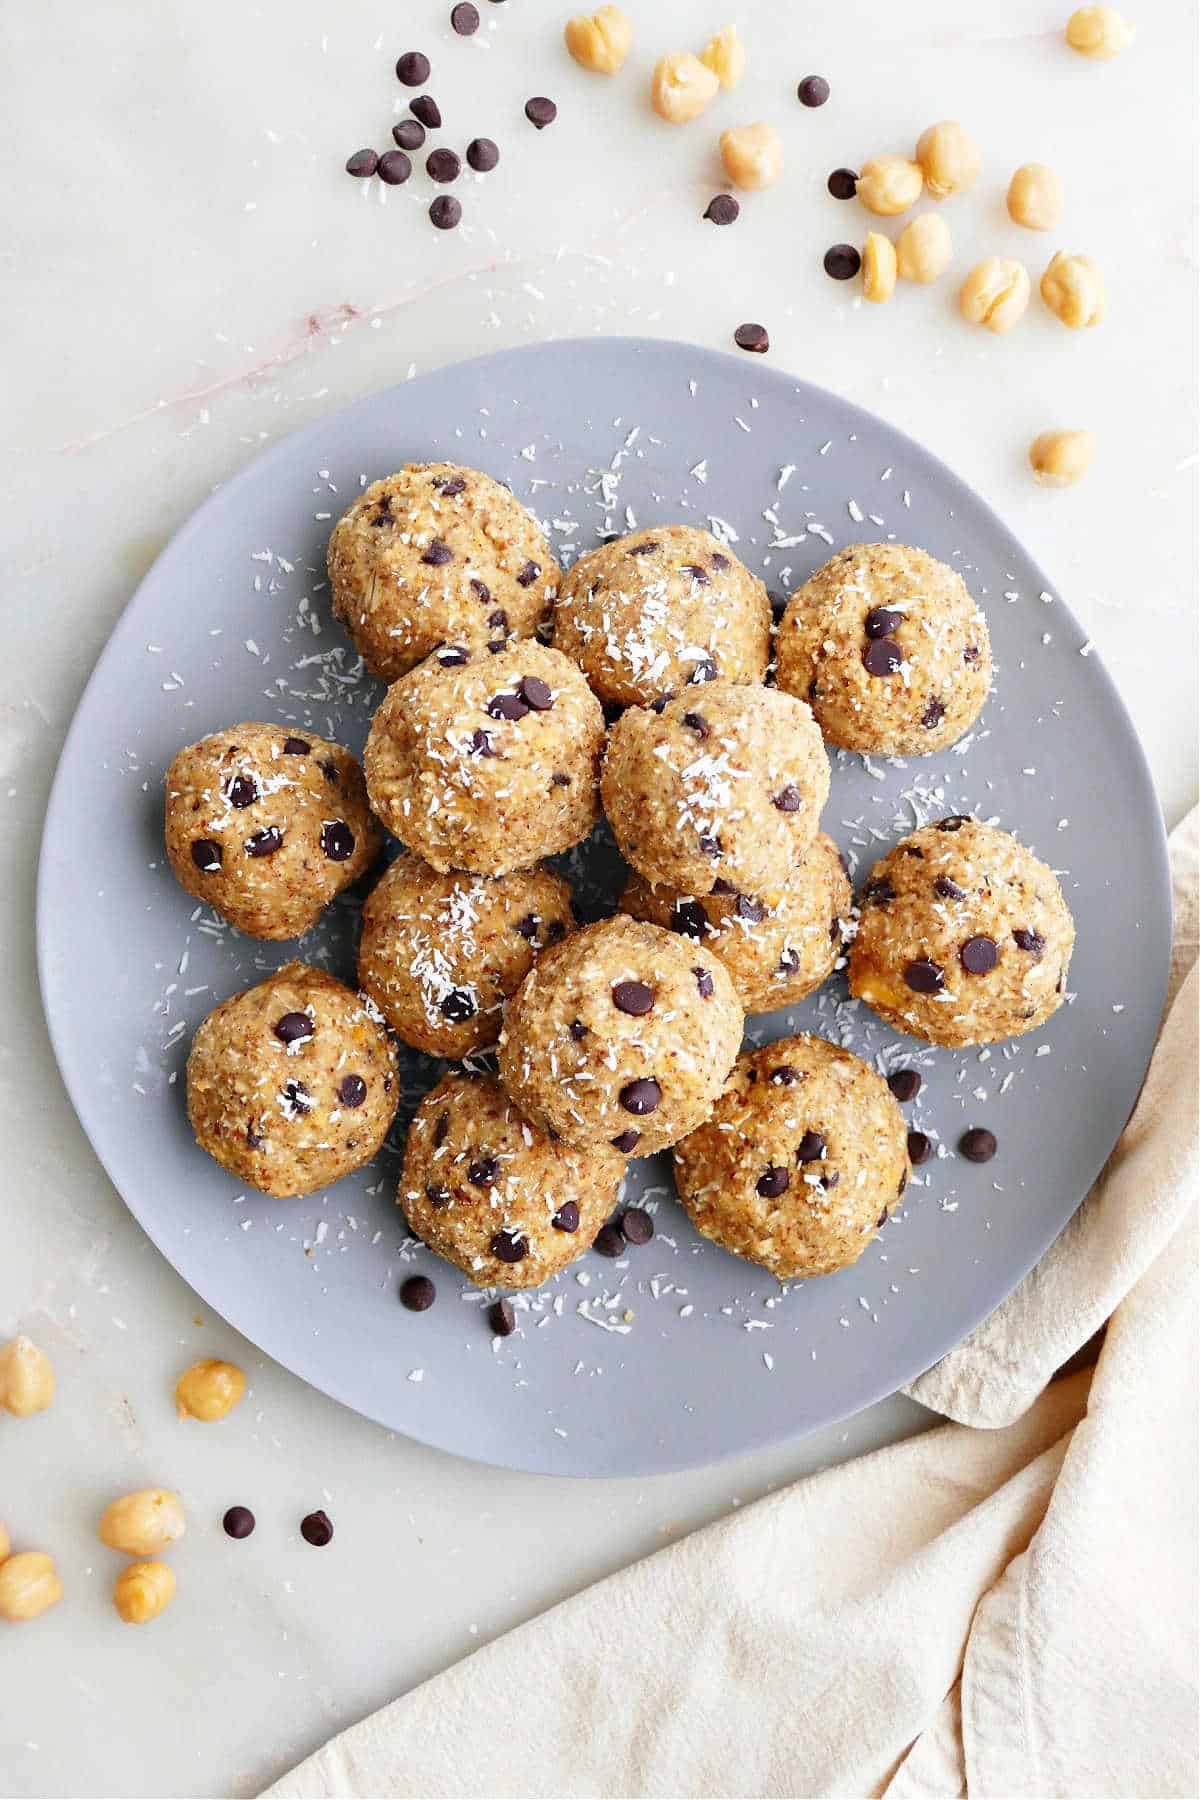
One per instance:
(190, 275)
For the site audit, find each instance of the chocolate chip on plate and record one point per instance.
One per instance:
(294, 1027)
(502, 1318)
(536, 693)
(509, 1247)
(842, 262)
(417, 1293)
(979, 955)
(813, 91)
(626, 1141)
(443, 165)
(632, 997)
(317, 1528)
(905, 1084)
(811, 1147)
(464, 18)
(206, 854)
(337, 840)
(752, 337)
(772, 1182)
(394, 167)
(540, 112)
(722, 209)
(636, 1225)
(482, 155)
(608, 1241)
(920, 1148)
(978, 1144)
(352, 1090)
(409, 134)
(567, 1217)
(882, 657)
(843, 184)
(412, 68)
(924, 976)
(426, 109)
(641, 1096)
(238, 1522)
(363, 162)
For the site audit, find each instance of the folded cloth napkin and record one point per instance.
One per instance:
(1002, 1611)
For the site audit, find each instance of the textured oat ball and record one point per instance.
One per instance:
(621, 1035)
(292, 1084)
(437, 554)
(495, 1194)
(660, 610)
(487, 763)
(440, 954)
(723, 784)
(888, 648)
(964, 936)
(803, 1158)
(268, 825)
(777, 950)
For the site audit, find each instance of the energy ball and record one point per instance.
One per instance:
(622, 1035)
(268, 825)
(292, 1084)
(964, 936)
(777, 951)
(661, 610)
(723, 783)
(437, 554)
(487, 763)
(440, 954)
(888, 648)
(804, 1157)
(495, 1195)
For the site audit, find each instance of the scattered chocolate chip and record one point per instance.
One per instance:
(482, 155)
(363, 162)
(978, 1144)
(294, 1027)
(813, 91)
(296, 746)
(509, 1247)
(704, 981)
(528, 574)
(632, 997)
(412, 68)
(882, 657)
(540, 112)
(722, 209)
(426, 109)
(772, 1182)
(905, 1084)
(457, 1006)
(645, 548)
(453, 656)
(787, 800)
(497, 645)
(238, 1522)
(445, 212)
(881, 621)
(811, 1147)
(933, 715)
(352, 1090)
(783, 1076)
(843, 184)
(437, 554)
(752, 337)
(394, 167)
(464, 18)
(698, 723)
(689, 918)
(483, 1172)
(920, 1148)
(660, 704)
(636, 1225)
(709, 846)
(626, 1141)
(698, 573)
(265, 843)
(949, 890)
(567, 1217)
(506, 706)
(481, 743)
(979, 955)
(718, 561)
(316, 1528)
(481, 591)
(578, 1030)
(337, 840)
(437, 1195)
(748, 908)
(417, 1293)
(924, 976)
(536, 693)
(842, 262)
(1031, 941)
(206, 854)
(409, 134)
(954, 822)
(243, 791)
(443, 165)
(641, 1096)
(608, 1241)
(879, 892)
(906, 850)
(502, 1318)
(297, 1099)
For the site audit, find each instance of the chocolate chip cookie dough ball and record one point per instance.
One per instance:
(495, 1194)
(888, 648)
(964, 936)
(437, 554)
(661, 610)
(292, 1084)
(723, 784)
(802, 1160)
(777, 950)
(487, 763)
(268, 825)
(440, 954)
(622, 1035)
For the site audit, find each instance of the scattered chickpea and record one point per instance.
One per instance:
(752, 155)
(889, 184)
(599, 41)
(949, 159)
(1061, 458)
(1035, 197)
(142, 1590)
(5, 1542)
(209, 1389)
(26, 1378)
(924, 249)
(29, 1584)
(995, 293)
(725, 55)
(1073, 289)
(681, 87)
(144, 1523)
(1099, 32)
(878, 268)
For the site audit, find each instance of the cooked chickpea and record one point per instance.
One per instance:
(5, 1542)
(1035, 197)
(1099, 32)
(949, 159)
(26, 1378)
(878, 268)
(209, 1389)
(889, 184)
(599, 41)
(725, 55)
(142, 1590)
(29, 1584)
(995, 293)
(681, 87)
(752, 155)
(1061, 458)
(1073, 289)
(144, 1523)
(924, 249)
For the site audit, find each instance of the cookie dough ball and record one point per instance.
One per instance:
(888, 648)
(622, 1035)
(723, 784)
(435, 555)
(804, 1157)
(440, 954)
(487, 763)
(776, 951)
(495, 1195)
(661, 610)
(292, 1084)
(964, 936)
(268, 825)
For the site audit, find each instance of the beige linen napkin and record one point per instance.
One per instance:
(997, 1612)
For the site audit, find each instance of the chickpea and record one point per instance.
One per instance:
(142, 1590)
(1073, 289)
(924, 249)
(725, 55)
(752, 155)
(141, 1524)
(599, 41)
(878, 268)
(1061, 458)
(209, 1389)
(889, 184)
(949, 158)
(995, 293)
(29, 1584)
(1099, 32)
(26, 1378)
(1035, 197)
(681, 87)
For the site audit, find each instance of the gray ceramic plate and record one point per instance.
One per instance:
(679, 1354)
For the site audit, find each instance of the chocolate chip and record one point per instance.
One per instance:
(243, 791)
(536, 693)
(352, 1090)
(978, 1144)
(971, 653)
(412, 68)
(748, 908)
(783, 1076)
(842, 262)
(418, 1293)
(253, 1140)
(409, 134)
(633, 997)
(483, 155)
(979, 955)
(718, 561)
(645, 548)
(502, 1318)
(709, 846)
(787, 800)
(722, 209)
(608, 1241)
(924, 976)
(949, 890)
(337, 840)
(497, 645)
(509, 1247)
(528, 574)
(906, 850)
(464, 18)
(811, 1147)
(316, 1528)
(238, 1522)
(813, 91)
(453, 656)
(296, 746)
(905, 1084)
(506, 706)
(879, 892)
(567, 1217)
(752, 337)
(660, 705)
(443, 165)
(843, 184)
(1031, 941)
(954, 822)
(527, 927)
(883, 657)
(445, 212)
(637, 1227)
(426, 108)
(294, 1027)
(641, 1096)
(297, 1098)
(265, 843)
(772, 1182)
(206, 854)
(578, 1030)
(698, 723)
(933, 715)
(697, 573)
(437, 554)
(483, 1172)
(920, 1148)
(881, 621)
(440, 1130)
(363, 162)
(481, 743)
(394, 167)
(437, 1195)
(689, 918)
(540, 111)
(704, 981)
(457, 1006)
